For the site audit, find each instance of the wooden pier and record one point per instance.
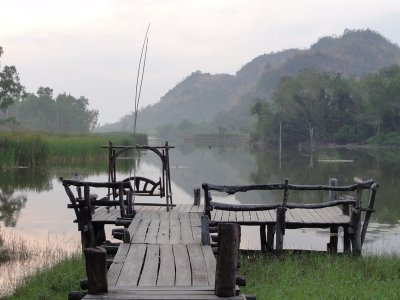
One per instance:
(163, 259)
(167, 250)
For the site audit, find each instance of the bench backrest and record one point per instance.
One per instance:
(286, 187)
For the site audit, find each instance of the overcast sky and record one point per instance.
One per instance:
(91, 48)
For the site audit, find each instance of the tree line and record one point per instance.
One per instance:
(41, 111)
(319, 107)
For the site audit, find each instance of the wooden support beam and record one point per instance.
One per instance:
(196, 192)
(205, 230)
(225, 277)
(96, 270)
(280, 228)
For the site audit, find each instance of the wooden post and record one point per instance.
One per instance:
(129, 204)
(87, 233)
(369, 212)
(207, 200)
(225, 277)
(99, 233)
(205, 230)
(270, 237)
(121, 201)
(96, 270)
(356, 234)
(263, 239)
(280, 218)
(334, 230)
(280, 228)
(196, 197)
(355, 220)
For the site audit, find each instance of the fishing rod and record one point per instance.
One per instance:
(138, 91)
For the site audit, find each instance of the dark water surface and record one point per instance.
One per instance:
(33, 202)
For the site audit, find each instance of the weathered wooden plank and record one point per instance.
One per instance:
(114, 271)
(184, 275)
(134, 225)
(232, 216)
(260, 216)
(253, 216)
(186, 229)
(115, 295)
(225, 216)
(139, 234)
(163, 233)
(133, 264)
(326, 216)
(337, 213)
(239, 216)
(196, 231)
(194, 219)
(198, 264)
(166, 274)
(218, 216)
(150, 266)
(99, 214)
(211, 264)
(317, 216)
(152, 233)
(323, 212)
(175, 230)
(298, 213)
(246, 216)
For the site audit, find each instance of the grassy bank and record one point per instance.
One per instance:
(320, 276)
(54, 283)
(21, 149)
(309, 276)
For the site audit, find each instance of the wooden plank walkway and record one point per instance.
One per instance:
(295, 218)
(164, 258)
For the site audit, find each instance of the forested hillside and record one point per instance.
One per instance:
(215, 103)
(313, 107)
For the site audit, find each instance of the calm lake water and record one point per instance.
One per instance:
(33, 202)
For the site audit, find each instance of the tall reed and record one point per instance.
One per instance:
(27, 149)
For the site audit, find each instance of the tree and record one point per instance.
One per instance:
(65, 113)
(10, 87)
(382, 94)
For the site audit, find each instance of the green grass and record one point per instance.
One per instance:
(292, 276)
(53, 283)
(320, 276)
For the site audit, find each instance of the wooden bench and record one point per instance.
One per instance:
(343, 211)
(85, 204)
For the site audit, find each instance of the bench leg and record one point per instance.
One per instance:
(270, 238)
(333, 240)
(346, 240)
(263, 240)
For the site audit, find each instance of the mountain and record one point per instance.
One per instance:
(223, 101)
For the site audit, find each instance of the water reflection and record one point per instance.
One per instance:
(28, 194)
(10, 207)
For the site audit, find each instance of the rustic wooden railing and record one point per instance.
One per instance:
(351, 205)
